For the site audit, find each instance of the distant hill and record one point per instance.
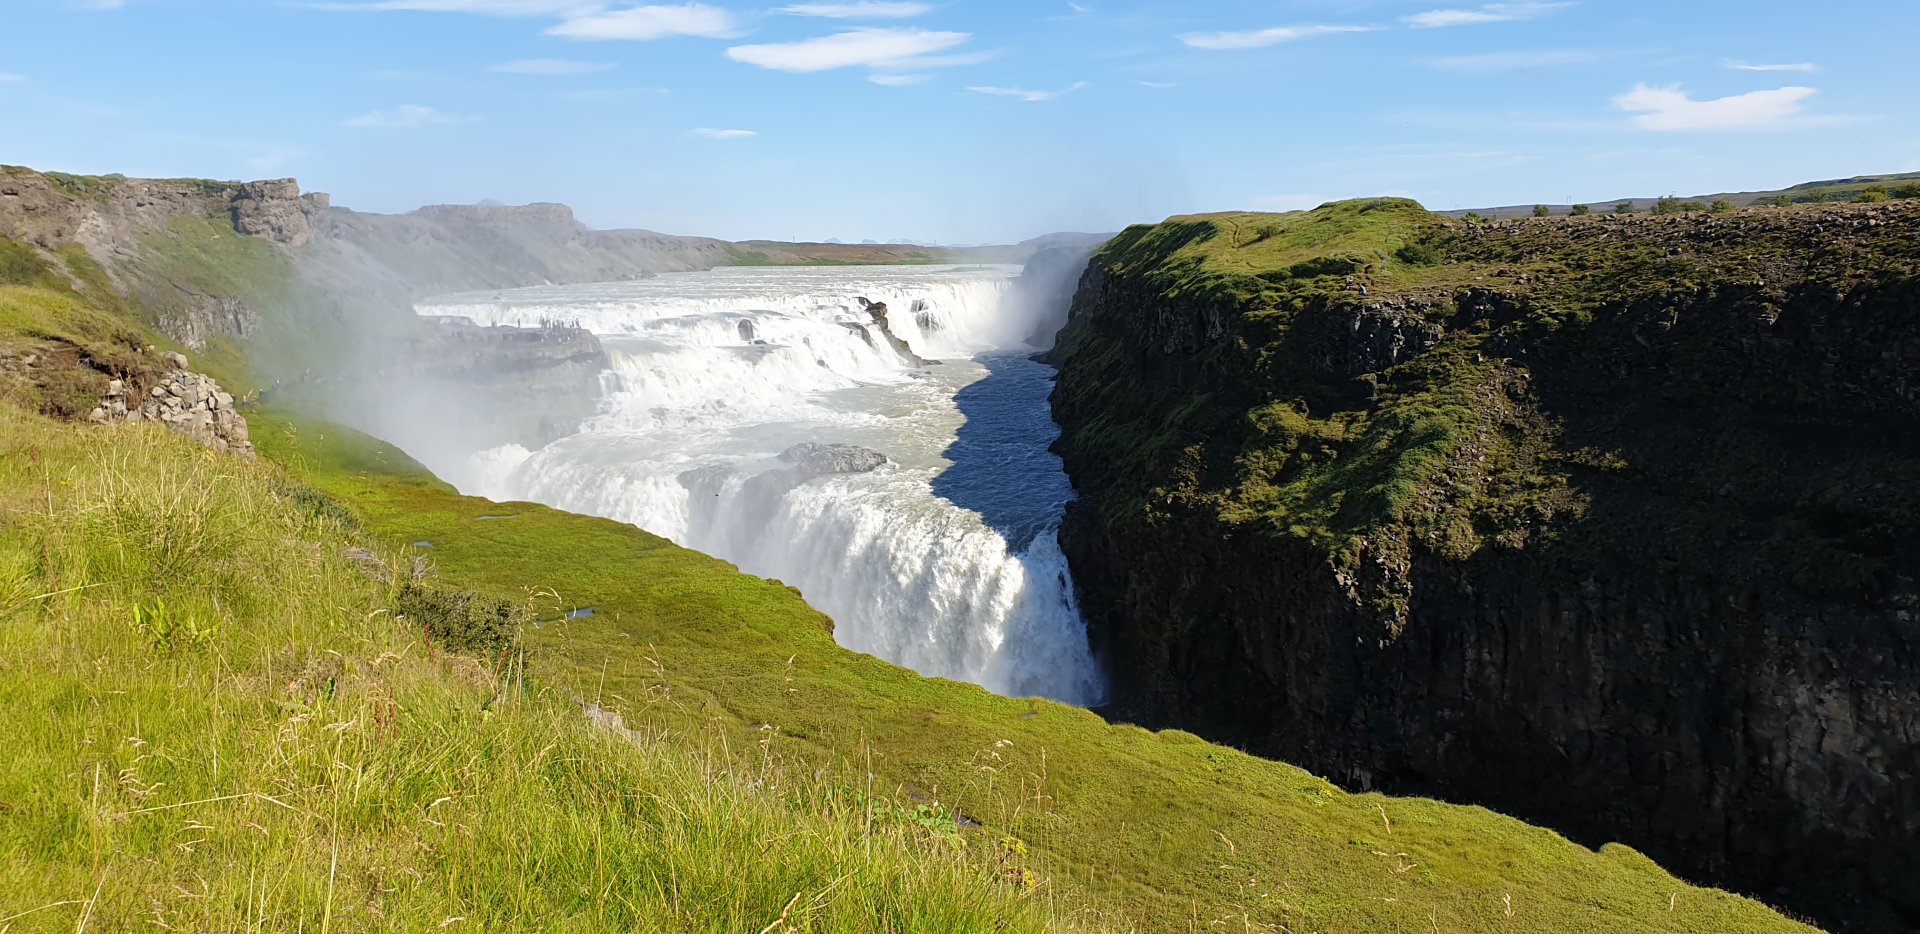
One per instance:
(1836, 189)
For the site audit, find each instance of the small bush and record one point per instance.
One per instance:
(1473, 217)
(461, 620)
(317, 504)
(1580, 210)
(1624, 207)
(1907, 191)
(1541, 210)
(1873, 195)
(1420, 254)
(1778, 201)
(1721, 206)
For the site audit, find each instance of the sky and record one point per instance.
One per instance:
(962, 121)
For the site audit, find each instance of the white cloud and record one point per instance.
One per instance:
(891, 49)
(1486, 13)
(1029, 96)
(641, 23)
(409, 115)
(711, 133)
(1671, 108)
(97, 4)
(864, 9)
(7, 77)
(554, 67)
(1492, 62)
(1158, 85)
(897, 80)
(1261, 38)
(1807, 67)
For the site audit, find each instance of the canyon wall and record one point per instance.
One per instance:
(1611, 523)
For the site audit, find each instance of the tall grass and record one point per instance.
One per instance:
(212, 723)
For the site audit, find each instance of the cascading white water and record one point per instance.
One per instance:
(943, 560)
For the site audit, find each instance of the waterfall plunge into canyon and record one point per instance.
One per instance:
(944, 560)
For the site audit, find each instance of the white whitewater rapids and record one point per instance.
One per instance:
(944, 560)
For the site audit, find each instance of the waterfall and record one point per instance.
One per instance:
(946, 566)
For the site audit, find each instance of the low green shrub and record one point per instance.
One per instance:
(461, 620)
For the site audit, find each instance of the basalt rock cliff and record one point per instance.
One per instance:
(1610, 522)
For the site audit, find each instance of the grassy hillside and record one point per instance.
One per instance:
(233, 719)
(218, 722)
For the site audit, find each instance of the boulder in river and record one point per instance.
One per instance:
(818, 460)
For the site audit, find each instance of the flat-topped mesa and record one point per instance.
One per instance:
(558, 215)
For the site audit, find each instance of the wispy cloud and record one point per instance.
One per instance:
(1806, 67)
(7, 77)
(480, 7)
(98, 5)
(898, 80)
(550, 67)
(1158, 85)
(865, 9)
(1485, 13)
(711, 133)
(885, 49)
(1494, 62)
(641, 23)
(405, 116)
(1033, 97)
(1672, 108)
(1261, 38)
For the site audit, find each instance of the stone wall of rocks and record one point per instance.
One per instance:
(189, 403)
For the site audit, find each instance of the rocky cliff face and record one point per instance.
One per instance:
(1613, 524)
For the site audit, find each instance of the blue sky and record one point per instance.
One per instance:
(961, 120)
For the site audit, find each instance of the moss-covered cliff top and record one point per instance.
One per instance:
(1368, 372)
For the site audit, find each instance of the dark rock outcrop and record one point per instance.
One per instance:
(1613, 525)
(879, 312)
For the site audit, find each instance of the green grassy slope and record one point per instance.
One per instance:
(1134, 830)
(216, 723)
